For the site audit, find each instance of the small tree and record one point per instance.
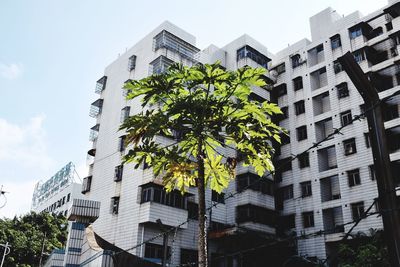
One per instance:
(27, 234)
(210, 109)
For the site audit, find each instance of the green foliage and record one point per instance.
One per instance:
(364, 251)
(25, 236)
(210, 109)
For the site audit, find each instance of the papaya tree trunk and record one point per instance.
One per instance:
(202, 236)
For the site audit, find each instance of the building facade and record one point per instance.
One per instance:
(321, 191)
(56, 194)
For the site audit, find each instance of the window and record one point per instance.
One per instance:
(349, 146)
(249, 52)
(285, 112)
(256, 214)
(118, 173)
(287, 192)
(68, 197)
(101, 84)
(125, 113)
(355, 32)
(63, 200)
(304, 160)
(389, 26)
(308, 219)
(372, 172)
(189, 257)
(342, 90)
(86, 183)
(359, 55)
(346, 118)
(280, 68)
(299, 107)
(281, 90)
(153, 192)
(301, 133)
(306, 190)
(296, 61)
(298, 83)
(114, 205)
(337, 67)
(254, 182)
(335, 41)
(175, 44)
(193, 210)
(217, 197)
(121, 143)
(354, 177)
(284, 164)
(160, 65)
(367, 141)
(357, 210)
(154, 251)
(131, 63)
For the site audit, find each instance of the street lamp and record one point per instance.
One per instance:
(6, 252)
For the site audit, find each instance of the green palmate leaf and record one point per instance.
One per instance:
(199, 111)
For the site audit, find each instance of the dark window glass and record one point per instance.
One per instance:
(337, 67)
(114, 205)
(118, 173)
(301, 133)
(299, 107)
(346, 118)
(298, 83)
(217, 197)
(304, 160)
(335, 42)
(349, 146)
(354, 177)
(357, 210)
(308, 219)
(342, 90)
(306, 189)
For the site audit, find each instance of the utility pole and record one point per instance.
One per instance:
(165, 244)
(5, 253)
(386, 188)
(42, 251)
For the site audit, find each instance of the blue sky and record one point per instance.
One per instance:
(52, 53)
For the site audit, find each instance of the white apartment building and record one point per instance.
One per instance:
(55, 195)
(323, 190)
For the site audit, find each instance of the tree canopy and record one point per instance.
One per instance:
(25, 235)
(206, 109)
(210, 114)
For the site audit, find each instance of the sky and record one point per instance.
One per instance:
(53, 52)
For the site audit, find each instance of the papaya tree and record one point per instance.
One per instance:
(205, 110)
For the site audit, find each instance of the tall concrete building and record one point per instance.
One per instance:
(319, 192)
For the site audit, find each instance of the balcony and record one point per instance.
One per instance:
(327, 158)
(394, 10)
(330, 188)
(316, 55)
(150, 212)
(321, 104)
(94, 132)
(256, 218)
(323, 129)
(318, 79)
(375, 55)
(96, 108)
(175, 44)
(100, 85)
(160, 65)
(333, 220)
(248, 56)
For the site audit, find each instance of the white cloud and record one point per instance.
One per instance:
(18, 200)
(24, 144)
(23, 157)
(11, 71)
